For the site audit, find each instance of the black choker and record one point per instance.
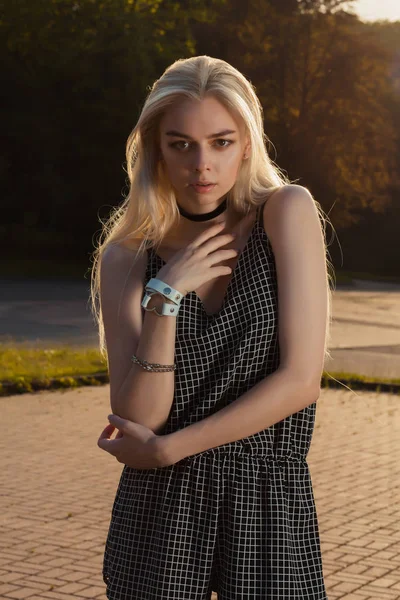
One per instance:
(205, 216)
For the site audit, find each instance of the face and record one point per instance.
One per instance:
(201, 141)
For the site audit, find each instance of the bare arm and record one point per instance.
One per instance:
(291, 221)
(142, 396)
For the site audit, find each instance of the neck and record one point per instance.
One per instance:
(186, 229)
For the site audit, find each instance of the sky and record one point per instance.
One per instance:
(372, 10)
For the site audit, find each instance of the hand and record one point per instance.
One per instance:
(194, 265)
(135, 445)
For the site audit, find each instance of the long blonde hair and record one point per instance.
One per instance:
(150, 210)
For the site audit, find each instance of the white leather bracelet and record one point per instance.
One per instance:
(168, 309)
(158, 286)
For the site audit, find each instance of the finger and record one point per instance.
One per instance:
(110, 446)
(106, 434)
(117, 421)
(107, 431)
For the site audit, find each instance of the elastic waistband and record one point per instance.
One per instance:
(248, 450)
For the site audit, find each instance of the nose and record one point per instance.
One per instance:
(201, 160)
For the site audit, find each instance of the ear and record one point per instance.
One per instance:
(246, 152)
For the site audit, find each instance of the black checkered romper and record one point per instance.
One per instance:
(239, 519)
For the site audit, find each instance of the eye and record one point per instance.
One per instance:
(228, 142)
(175, 145)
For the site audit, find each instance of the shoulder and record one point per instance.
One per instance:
(116, 252)
(288, 195)
(118, 258)
(288, 207)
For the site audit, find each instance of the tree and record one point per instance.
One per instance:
(325, 87)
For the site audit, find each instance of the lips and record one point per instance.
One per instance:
(203, 188)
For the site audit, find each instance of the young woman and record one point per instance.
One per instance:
(214, 309)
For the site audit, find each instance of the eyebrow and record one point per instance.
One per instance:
(174, 133)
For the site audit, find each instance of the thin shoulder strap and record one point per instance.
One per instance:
(260, 212)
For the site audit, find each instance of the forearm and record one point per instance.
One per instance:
(268, 402)
(146, 396)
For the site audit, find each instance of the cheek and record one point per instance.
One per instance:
(173, 166)
(232, 163)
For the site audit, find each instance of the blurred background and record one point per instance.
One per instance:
(75, 76)
(74, 81)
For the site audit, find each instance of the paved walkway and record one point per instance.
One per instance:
(365, 327)
(57, 489)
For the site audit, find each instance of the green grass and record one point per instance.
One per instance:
(369, 378)
(33, 363)
(27, 369)
(345, 376)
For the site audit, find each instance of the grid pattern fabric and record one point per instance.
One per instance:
(239, 519)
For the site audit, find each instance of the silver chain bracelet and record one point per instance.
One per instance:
(152, 366)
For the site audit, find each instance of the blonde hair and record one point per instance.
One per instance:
(150, 209)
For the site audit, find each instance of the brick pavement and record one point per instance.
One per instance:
(57, 489)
